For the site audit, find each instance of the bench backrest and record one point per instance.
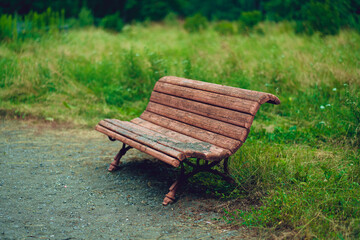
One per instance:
(220, 115)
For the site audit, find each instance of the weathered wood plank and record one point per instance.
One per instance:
(197, 149)
(141, 147)
(191, 131)
(209, 124)
(259, 97)
(214, 152)
(215, 99)
(144, 140)
(218, 113)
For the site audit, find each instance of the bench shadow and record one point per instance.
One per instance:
(159, 176)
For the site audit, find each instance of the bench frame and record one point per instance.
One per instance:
(183, 177)
(216, 123)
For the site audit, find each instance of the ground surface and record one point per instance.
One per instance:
(54, 185)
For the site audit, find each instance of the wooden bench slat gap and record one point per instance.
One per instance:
(210, 104)
(164, 87)
(190, 146)
(143, 139)
(118, 124)
(141, 147)
(192, 131)
(219, 133)
(250, 95)
(198, 149)
(207, 110)
(212, 124)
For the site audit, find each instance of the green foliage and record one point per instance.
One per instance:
(225, 28)
(322, 17)
(32, 25)
(8, 26)
(278, 10)
(171, 19)
(195, 23)
(156, 10)
(112, 22)
(149, 9)
(85, 17)
(250, 19)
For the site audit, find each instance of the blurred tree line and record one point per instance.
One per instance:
(345, 10)
(309, 16)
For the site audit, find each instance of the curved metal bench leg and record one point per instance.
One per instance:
(226, 169)
(170, 196)
(115, 164)
(206, 167)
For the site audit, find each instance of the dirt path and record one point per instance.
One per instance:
(54, 185)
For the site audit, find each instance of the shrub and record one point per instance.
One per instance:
(225, 28)
(72, 23)
(250, 19)
(35, 24)
(171, 19)
(7, 26)
(112, 22)
(195, 23)
(86, 17)
(303, 27)
(32, 25)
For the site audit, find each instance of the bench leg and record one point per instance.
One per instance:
(115, 164)
(170, 196)
(206, 167)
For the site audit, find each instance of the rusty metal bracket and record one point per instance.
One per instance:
(115, 164)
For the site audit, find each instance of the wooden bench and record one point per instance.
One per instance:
(188, 119)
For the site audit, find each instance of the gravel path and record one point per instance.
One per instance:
(55, 185)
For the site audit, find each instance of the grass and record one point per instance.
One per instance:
(300, 164)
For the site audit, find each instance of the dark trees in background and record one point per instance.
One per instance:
(310, 15)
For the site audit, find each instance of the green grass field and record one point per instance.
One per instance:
(300, 165)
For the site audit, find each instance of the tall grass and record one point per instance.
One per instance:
(301, 160)
(33, 25)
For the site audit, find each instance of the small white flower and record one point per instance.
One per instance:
(328, 105)
(322, 107)
(334, 89)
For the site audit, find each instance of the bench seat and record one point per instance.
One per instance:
(169, 144)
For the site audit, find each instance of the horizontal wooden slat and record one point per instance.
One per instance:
(259, 97)
(206, 123)
(195, 149)
(215, 99)
(191, 131)
(218, 113)
(209, 152)
(144, 139)
(141, 147)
